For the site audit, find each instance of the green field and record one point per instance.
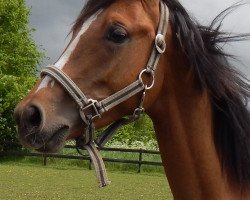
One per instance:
(22, 180)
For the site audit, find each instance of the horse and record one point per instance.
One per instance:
(195, 97)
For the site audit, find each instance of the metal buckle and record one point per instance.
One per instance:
(91, 111)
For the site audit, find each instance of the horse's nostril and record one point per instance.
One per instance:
(32, 117)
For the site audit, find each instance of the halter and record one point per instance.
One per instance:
(91, 109)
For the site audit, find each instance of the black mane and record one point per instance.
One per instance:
(228, 88)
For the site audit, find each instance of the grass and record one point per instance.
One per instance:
(21, 180)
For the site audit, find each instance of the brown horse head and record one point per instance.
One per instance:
(196, 103)
(107, 52)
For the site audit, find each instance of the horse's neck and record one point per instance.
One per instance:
(183, 122)
(185, 139)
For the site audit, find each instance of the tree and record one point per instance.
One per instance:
(19, 59)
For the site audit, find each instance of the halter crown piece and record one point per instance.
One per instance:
(90, 109)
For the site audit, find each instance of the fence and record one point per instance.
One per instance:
(138, 162)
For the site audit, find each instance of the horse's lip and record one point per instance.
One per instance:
(60, 135)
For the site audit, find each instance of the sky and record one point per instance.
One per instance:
(53, 19)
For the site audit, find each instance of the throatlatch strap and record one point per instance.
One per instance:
(110, 131)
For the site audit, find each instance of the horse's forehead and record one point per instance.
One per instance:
(131, 9)
(133, 14)
(126, 6)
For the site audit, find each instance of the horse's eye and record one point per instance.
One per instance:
(117, 34)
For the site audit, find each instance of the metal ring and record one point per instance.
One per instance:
(151, 73)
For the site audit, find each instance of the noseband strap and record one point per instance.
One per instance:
(90, 109)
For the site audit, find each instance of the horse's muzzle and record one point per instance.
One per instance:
(29, 120)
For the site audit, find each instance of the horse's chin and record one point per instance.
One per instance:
(56, 142)
(49, 142)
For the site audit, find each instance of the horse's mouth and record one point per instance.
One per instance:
(56, 142)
